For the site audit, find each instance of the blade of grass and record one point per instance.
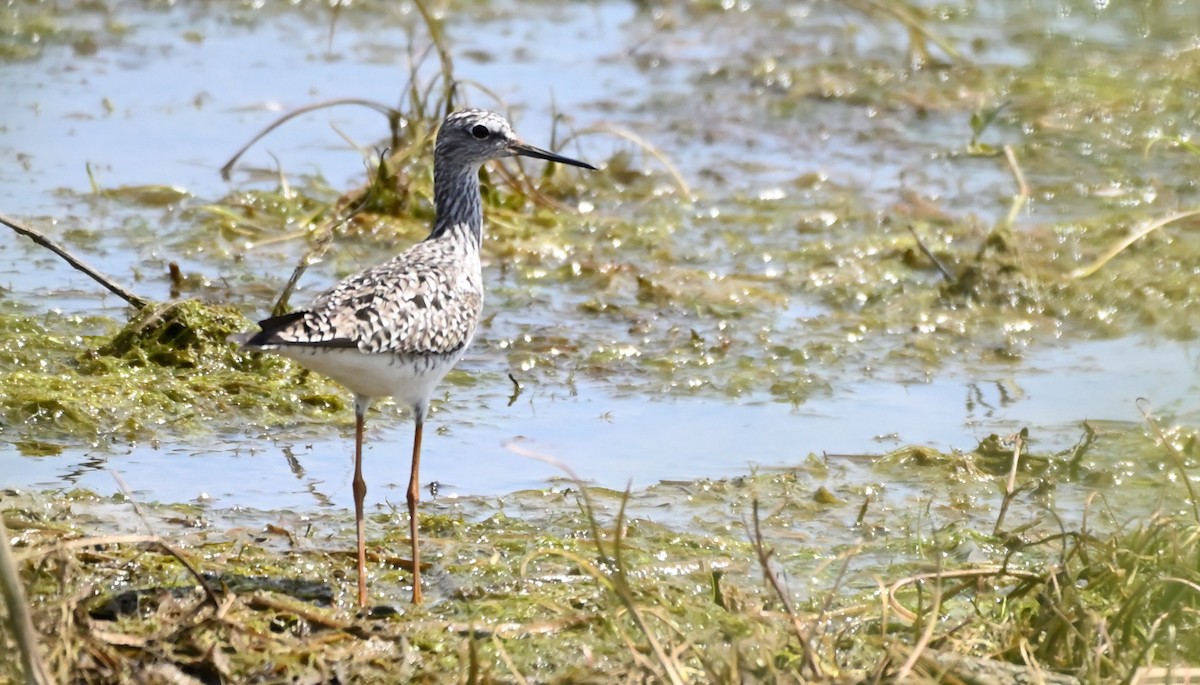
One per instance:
(324, 241)
(1178, 460)
(438, 36)
(1145, 230)
(616, 580)
(387, 111)
(18, 616)
(1010, 486)
(1022, 196)
(653, 151)
(931, 621)
(764, 562)
(905, 16)
(933, 258)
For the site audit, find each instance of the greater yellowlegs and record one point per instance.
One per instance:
(396, 329)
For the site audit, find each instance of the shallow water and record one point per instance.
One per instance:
(613, 439)
(167, 101)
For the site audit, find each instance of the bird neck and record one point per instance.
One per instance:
(457, 203)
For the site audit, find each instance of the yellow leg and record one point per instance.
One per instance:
(414, 485)
(360, 493)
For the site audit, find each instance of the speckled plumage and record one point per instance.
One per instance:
(425, 300)
(396, 329)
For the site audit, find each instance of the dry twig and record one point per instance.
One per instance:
(76, 262)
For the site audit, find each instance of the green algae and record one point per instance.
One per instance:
(27, 27)
(170, 366)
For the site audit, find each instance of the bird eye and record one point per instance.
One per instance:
(480, 132)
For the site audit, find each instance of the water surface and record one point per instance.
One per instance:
(772, 135)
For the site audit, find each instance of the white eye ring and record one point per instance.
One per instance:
(480, 132)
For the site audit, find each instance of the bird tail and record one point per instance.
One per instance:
(277, 331)
(239, 339)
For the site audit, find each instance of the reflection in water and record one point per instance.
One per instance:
(81, 470)
(611, 440)
(1007, 390)
(298, 471)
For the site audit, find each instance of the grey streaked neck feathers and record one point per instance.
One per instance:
(456, 201)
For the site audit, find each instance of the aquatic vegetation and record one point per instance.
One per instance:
(706, 581)
(844, 190)
(663, 274)
(169, 366)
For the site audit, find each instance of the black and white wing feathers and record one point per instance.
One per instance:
(425, 300)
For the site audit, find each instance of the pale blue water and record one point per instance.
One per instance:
(612, 439)
(157, 107)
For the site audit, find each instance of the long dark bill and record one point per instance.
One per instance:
(519, 148)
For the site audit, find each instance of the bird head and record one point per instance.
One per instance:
(474, 136)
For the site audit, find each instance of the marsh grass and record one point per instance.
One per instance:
(581, 584)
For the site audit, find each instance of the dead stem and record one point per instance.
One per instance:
(110, 284)
(1145, 230)
(262, 600)
(936, 262)
(1010, 486)
(394, 118)
(764, 562)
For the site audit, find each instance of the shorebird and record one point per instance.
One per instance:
(396, 329)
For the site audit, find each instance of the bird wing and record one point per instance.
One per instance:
(425, 300)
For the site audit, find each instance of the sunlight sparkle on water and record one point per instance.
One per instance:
(1022, 326)
(771, 194)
